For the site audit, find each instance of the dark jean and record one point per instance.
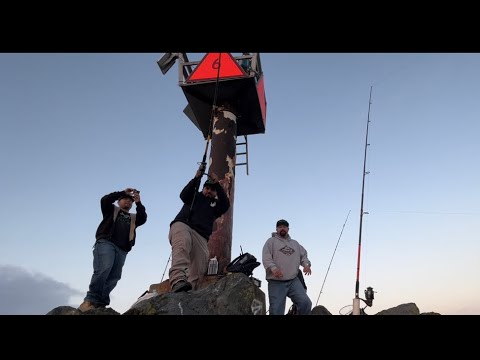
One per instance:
(278, 292)
(108, 261)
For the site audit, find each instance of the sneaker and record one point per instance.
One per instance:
(86, 305)
(182, 286)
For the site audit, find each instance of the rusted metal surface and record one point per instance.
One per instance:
(222, 164)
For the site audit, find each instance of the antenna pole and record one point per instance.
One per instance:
(356, 300)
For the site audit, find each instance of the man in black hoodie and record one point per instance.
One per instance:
(114, 239)
(191, 229)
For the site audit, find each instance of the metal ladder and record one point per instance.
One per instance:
(245, 143)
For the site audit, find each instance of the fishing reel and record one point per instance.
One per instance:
(357, 310)
(202, 168)
(368, 296)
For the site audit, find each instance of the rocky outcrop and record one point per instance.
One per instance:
(68, 310)
(320, 310)
(231, 294)
(404, 309)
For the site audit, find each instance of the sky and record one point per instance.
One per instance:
(78, 126)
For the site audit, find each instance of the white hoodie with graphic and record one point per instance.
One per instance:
(285, 254)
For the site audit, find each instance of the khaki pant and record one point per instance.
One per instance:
(189, 255)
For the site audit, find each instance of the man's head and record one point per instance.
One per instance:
(125, 202)
(282, 227)
(210, 189)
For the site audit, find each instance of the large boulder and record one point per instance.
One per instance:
(231, 294)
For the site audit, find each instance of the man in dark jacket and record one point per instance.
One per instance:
(114, 239)
(191, 229)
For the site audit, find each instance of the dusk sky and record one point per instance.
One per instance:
(78, 126)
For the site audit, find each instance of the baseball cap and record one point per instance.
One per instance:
(282, 222)
(210, 183)
(125, 195)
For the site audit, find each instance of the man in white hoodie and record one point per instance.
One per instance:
(281, 257)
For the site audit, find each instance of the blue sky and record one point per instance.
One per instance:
(78, 126)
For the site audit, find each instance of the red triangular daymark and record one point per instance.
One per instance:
(212, 65)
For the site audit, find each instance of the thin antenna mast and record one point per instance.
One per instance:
(356, 300)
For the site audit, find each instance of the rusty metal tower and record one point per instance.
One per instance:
(226, 99)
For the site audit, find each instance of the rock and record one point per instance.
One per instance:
(320, 310)
(68, 310)
(404, 309)
(231, 294)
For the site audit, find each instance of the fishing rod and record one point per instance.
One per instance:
(356, 300)
(341, 232)
(203, 163)
(166, 266)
